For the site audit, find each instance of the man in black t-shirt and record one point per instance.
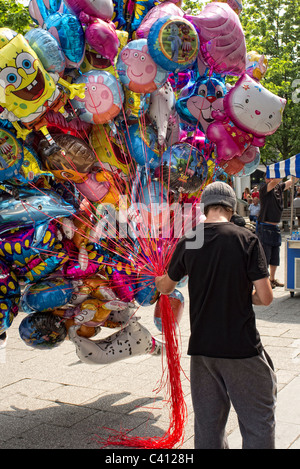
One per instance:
(227, 275)
(267, 229)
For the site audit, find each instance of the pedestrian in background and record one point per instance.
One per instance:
(268, 230)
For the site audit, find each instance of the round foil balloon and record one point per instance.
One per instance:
(103, 97)
(42, 330)
(173, 43)
(177, 304)
(142, 145)
(146, 294)
(184, 168)
(249, 168)
(11, 155)
(137, 70)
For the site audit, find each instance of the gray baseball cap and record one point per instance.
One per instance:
(219, 193)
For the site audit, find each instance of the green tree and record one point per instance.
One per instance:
(15, 16)
(272, 27)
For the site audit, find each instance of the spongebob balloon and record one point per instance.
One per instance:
(27, 91)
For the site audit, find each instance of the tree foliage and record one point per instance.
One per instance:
(15, 16)
(272, 27)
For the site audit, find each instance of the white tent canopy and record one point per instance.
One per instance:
(290, 167)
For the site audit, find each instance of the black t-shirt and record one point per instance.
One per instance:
(271, 203)
(221, 273)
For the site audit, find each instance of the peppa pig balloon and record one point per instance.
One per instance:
(251, 112)
(223, 46)
(103, 97)
(98, 8)
(137, 70)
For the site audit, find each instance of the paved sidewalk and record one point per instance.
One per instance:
(49, 399)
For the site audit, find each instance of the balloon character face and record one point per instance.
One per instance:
(24, 84)
(206, 96)
(251, 113)
(137, 70)
(253, 108)
(103, 97)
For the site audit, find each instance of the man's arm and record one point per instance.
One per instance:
(263, 294)
(272, 184)
(165, 285)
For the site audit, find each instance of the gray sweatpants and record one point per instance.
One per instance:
(249, 384)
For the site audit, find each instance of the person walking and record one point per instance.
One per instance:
(227, 274)
(267, 228)
(254, 209)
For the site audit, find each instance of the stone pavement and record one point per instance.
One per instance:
(50, 400)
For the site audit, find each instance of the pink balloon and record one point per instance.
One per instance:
(163, 9)
(120, 283)
(101, 36)
(98, 8)
(222, 39)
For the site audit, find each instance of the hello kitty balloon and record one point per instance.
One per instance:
(251, 112)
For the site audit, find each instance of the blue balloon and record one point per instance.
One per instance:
(47, 49)
(141, 9)
(199, 98)
(146, 294)
(33, 205)
(67, 29)
(39, 10)
(42, 330)
(103, 97)
(142, 145)
(173, 43)
(47, 295)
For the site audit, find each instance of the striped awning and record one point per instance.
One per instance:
(289, 167)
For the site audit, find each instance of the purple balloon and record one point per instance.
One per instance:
(222, 39)
(98, 8)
